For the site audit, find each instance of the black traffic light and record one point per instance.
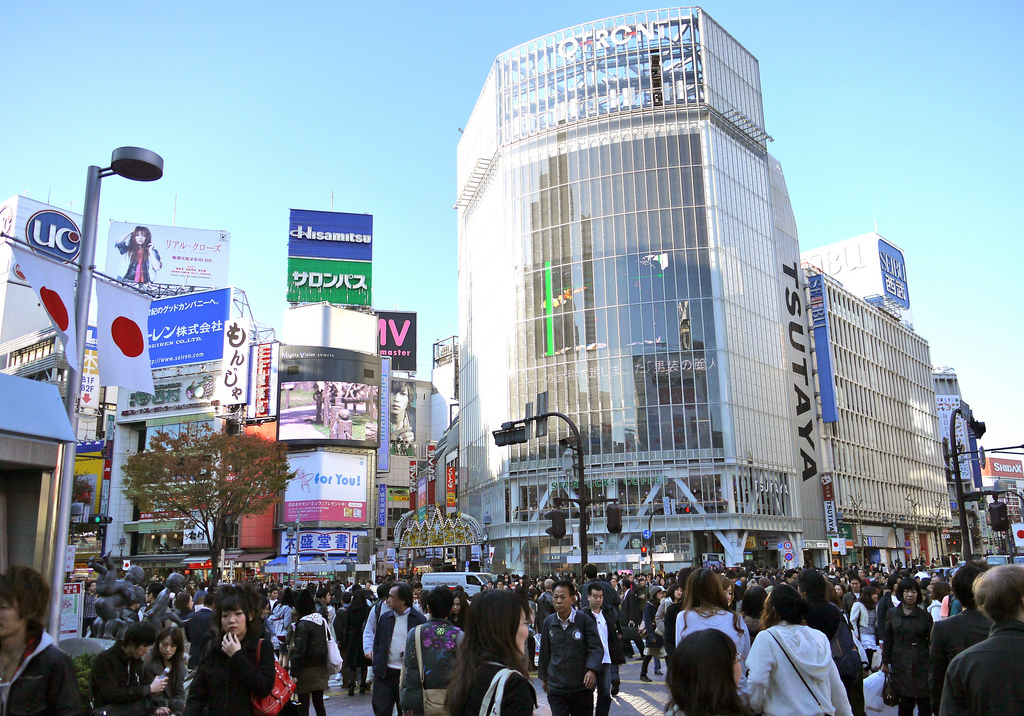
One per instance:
(643, 550)
(613, 515)
(557, 528)
(977, 427)
(997, 517)
(542, 408)
(510, 434)
(99, 520)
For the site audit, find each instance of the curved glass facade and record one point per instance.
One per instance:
(618, 249)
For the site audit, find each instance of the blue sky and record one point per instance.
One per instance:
(902, 113)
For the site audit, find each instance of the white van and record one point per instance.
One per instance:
(471, 582)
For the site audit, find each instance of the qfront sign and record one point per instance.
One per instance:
(601, 40)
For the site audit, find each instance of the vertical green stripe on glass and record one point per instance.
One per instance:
(549, 308)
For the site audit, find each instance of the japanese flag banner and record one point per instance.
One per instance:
(122, 337)
(54, 284)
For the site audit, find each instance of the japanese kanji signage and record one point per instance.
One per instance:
(152, 254)
(332, 280)
(263, 380)
(189, 328)
(233, 383)
(450, 472)
(326, 542)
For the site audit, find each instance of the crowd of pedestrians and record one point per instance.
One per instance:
(773, 642)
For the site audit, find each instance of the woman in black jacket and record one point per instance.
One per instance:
(236, 665)
(39, 677)
(351, 642)
(905, 652)
(308, 659)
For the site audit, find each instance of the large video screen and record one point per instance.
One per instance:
(329, 396)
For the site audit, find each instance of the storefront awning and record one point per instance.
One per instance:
(250, 557)
(170, 559)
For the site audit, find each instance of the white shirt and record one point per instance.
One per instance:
(602, 631)
(396, 650)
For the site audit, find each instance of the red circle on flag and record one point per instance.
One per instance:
(55, 307)
(1020, 534)
(128, 336)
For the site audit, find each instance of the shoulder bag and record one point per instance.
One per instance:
(800, 674)
(284, 687)
(333, 653)
(491, 705)
(433, 699)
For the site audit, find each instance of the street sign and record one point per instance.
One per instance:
(647, 534)
(71, 609)
(908, 551)
(788, 556)
(787, 545)
(907, 543)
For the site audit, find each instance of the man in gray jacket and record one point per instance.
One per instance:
(570, 656)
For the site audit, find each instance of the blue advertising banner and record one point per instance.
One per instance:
(384, 453)
(823, 348)
(189, 328)
(894, 273)
(330, 235)
(382, 505)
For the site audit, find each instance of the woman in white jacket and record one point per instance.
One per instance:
(791, 672)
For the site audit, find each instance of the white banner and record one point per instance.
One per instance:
(148, 253)
(233, 384)
(1017, 528)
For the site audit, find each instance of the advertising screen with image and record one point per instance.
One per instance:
(328, 396)
(327, 487)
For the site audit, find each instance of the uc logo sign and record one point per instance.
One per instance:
(53, 233)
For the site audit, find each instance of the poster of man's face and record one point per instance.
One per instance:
(403, 417)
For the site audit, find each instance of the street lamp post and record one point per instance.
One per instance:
(132, 163)
(954, 448)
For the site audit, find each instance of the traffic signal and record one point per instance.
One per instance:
(997, 517)
(510, 434)
(557, 528)
(613, 515)
(99, 520)
(686, 510)
(643, 550)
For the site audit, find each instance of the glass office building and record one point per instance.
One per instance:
(623, 239)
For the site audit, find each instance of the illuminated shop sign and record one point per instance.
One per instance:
(615, 39)
(609, 481)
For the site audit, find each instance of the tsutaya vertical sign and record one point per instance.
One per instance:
(828, 495)
(800, 377)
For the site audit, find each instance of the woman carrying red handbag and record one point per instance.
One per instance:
(235, 668)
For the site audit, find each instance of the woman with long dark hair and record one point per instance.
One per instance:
(751, 608)
(236, 664)
(703, 673)
(141, 253)
(863, 620)
(167, 653)
(791, 668)
(492, 653)
(460, 610)
(350, 642)
(705, 606)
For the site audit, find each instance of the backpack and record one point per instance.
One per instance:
(845, 652)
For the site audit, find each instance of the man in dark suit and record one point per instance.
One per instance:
(389, 649)
(955, 634)
(197, 628)
(570, 656)
(610, 632)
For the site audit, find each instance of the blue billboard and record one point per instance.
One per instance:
(384, 453)
(330, 235)
(189, 328)
(894, 273)
(823, 348)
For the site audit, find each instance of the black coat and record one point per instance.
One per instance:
(224, 686)
(566, 655)
(309, 646)
(949, 638)
(46, 686)
(611, 616)
(116, 679)
(197, 627)
(350, 639)
(173, 696)
(907, 637)
(988, 678)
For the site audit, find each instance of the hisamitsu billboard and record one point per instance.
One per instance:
(330, 235)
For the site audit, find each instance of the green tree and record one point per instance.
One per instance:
(209, 479)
